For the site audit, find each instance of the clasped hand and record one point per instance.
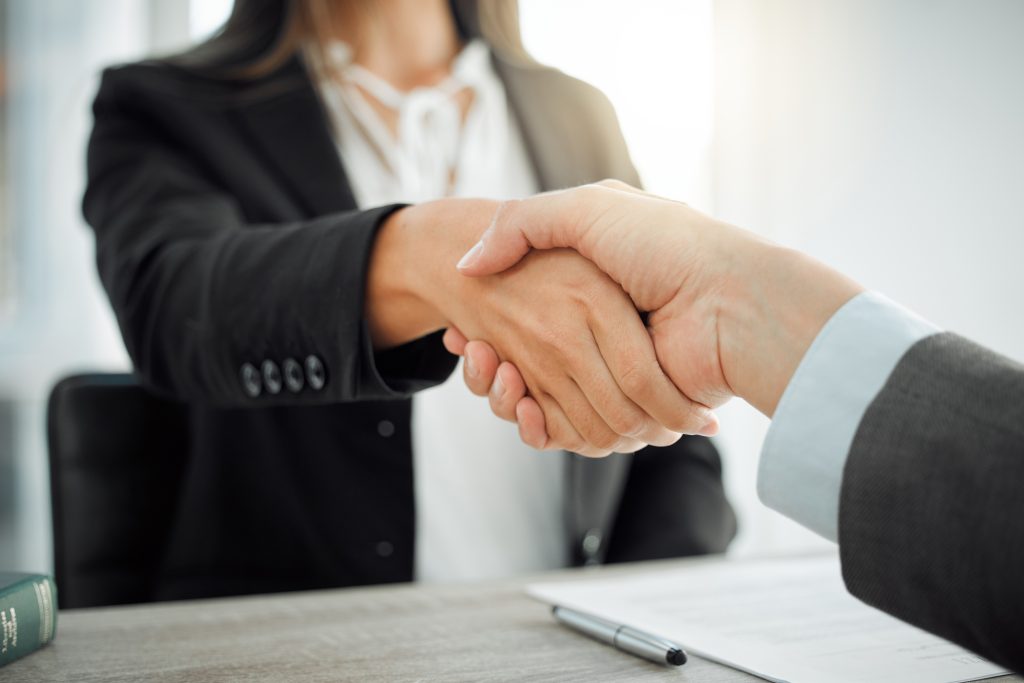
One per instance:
(581, 351)
(599, 221)
(579, 347)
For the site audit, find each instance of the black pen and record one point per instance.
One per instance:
(622, 637)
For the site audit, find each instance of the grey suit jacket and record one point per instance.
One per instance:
(931, 518)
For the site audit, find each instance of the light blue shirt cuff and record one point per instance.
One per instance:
(848, 363)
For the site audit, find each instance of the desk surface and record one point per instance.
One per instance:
(475, 632)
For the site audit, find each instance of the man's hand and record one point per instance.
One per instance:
(729, 313)
(578, 344)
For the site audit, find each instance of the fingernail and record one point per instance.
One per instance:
(710, 427)
(498, 388)
(471, 256)
(471, 367)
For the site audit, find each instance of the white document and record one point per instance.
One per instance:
(788, 620)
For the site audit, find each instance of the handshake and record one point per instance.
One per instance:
(602, 319)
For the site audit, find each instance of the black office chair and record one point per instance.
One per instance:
(117, 457)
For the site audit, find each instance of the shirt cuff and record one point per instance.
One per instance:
(811, 433)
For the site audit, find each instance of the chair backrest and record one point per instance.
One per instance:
(117, 456)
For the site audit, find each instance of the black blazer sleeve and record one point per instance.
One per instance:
(931, 517)
(199, 292)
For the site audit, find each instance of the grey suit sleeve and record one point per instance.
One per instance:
(931, 514)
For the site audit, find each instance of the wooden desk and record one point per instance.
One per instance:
(481, 632)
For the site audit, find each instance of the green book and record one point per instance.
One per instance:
(28, 614)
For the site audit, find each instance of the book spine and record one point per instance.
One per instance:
(28, 617)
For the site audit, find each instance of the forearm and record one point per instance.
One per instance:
(395, 310)
(777, 301)
(412, 267)
(209, 312)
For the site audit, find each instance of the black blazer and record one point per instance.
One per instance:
(230, 245)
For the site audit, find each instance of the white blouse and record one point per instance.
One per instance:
(487, 506)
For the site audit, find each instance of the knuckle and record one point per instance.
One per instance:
(687, 421)
(627, 421)
(666, 437)
(573, 442)
(551, 334)
(576, 446)
(597, 434)
(590, 190)
(613, 183)
(586, 195)
(562, 436)
(504, 216)
(593, 290)
(629, 446)
(605, 440)
(635, 380)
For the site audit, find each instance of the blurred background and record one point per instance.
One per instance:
(886, 138)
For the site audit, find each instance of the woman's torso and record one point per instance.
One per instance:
(316, 494)
(487, 506)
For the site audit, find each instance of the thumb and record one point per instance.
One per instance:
(501, 246)
(537, 222)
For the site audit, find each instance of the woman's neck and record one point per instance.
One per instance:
(408, 43)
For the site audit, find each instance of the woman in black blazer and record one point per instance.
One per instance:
(247, 283)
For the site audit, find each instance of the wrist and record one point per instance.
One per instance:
(778, 302)
(396, 310)
(412, 278)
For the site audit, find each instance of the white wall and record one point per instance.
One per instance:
(654, 60)
(60, 321)
(886, 138)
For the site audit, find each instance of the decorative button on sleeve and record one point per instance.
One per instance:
(316, 375)
(271, 377)
(251, 381)
(294, 379)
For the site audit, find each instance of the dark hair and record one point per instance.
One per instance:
(260, 35)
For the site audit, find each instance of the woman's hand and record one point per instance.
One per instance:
(578, 343)
(502, 384)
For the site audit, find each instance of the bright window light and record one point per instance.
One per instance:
(654, 60)
(206, 16)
